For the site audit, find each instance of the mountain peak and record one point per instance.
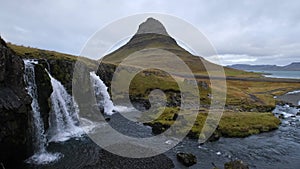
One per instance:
(152, 25)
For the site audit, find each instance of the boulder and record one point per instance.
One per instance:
(236, 164)
(187, 159)
(158, 128)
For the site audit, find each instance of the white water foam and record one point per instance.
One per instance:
(44, 158)
(64, 119)
(293, 92)
(124, 109)
(286, 111)
(101, 89)
(41, 156)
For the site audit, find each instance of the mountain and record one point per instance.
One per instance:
(152, 34)
(295, 66)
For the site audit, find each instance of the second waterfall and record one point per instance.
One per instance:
(63, 119)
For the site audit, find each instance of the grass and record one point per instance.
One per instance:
(35, 53)
(232, 124)
(256, 93)
(242, 95)
(243, 124)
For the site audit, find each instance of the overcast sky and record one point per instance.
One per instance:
(252, 32)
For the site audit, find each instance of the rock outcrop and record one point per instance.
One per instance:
(236, 164)
(152, 25)
(44, 90)
(14, 109)
(187, 159)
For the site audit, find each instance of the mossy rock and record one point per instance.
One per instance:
(187, 159)
(236, 164)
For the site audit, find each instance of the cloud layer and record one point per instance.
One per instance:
(255, 32)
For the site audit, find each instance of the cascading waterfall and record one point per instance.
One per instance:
(64, 119)
(101, 89)
(41, 156)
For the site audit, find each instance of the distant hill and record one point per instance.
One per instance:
(295, 66)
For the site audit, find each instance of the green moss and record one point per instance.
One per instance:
(243, 124)
(239, 124)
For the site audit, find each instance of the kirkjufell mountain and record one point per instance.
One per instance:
(153, 34)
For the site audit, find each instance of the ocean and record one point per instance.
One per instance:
(279, 74)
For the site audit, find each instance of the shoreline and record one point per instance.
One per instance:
(291, 98)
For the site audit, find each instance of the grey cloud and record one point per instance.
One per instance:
(260, 29)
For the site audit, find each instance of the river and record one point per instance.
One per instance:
(276, 149)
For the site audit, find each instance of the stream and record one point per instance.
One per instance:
(275, 149)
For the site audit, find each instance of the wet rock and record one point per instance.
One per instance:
(175, 116)
(14, 109)
(158, 128)
(236, 164)
(214, 137)
(193, 135)
(187, 159)
(62, 70)
(106, 72)
(44, 90)
(281, 116)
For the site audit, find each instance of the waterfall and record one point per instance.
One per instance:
(39, 139)
(64, 119)
(41, 156)
(101, 90)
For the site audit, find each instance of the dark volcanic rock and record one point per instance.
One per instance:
(237, 164)
(62, 70)
(106, 72)
(44, 89)
(14, 109)
(158, 128)
(187, 159)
